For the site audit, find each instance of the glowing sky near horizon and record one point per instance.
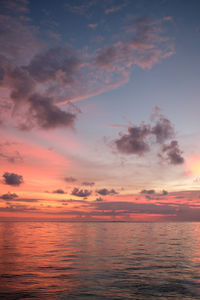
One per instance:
(99, 110)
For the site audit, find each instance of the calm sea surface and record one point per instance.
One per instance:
(41, 260)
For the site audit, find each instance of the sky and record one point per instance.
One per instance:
(99, 110)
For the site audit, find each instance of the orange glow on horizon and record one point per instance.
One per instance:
(193, 166)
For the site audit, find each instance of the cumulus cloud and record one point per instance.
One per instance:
(70, 179)
(81, 192)
(105, 192)
(174, 154)
(138, 140)
(163, 130)
(12, 179)
(134, 142)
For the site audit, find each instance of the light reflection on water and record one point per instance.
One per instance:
(41, 260)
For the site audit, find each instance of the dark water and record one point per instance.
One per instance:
(99, 260)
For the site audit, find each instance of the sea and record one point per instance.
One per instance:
(99, 260)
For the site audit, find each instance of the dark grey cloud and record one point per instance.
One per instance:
(34, 109)
(138, 140)
(49, 115)
(151, 194)
(105, 192)
(88, 183)
(58, 191)
(12, 179)
(81, 192)
(135, 141)
(174, 154)
(70, 179)
(9, 196)
(163, 130)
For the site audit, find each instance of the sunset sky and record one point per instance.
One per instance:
(99, 110)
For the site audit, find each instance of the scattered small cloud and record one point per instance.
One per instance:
(163, 130)
(174, 154)
(12, 179)
(105, 192)
(81, 192)
(9, 196)
(59, 191)
(134, 142)
(99, 199)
